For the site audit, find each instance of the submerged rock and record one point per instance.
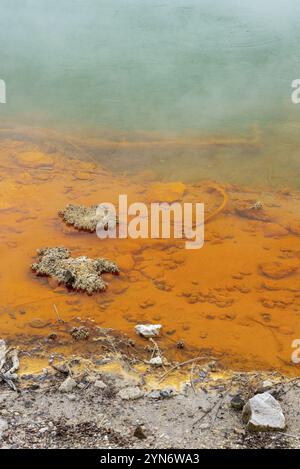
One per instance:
(263, 413)
(78, 273)
(277, 270)
(274, 230)
(38, 323)
(34, 160)
(166, 191)
(86, 218)
(294, 228)
(148, 330)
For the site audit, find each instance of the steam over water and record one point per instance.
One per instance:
(179, 68)
(171, 65)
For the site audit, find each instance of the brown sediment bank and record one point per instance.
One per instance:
(217, 299)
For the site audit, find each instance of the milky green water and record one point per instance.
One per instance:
(181, 69)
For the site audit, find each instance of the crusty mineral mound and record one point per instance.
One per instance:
(87, 218)
(77, 273)
(81, 217)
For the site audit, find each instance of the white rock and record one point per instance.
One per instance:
(156, 361)
(262, 413)
(133, 392)
(148, 330)
(68, 385)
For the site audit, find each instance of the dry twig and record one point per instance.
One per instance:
(179, 365)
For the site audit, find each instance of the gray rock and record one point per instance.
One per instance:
(133, 392)
(100, 384)
(3, 427)
(168, 392)
(155, 394)
(237, 402)
(103, 361)
(68, 385)
(126, 382)
(265, 386)
(263, 413)
(162, 393)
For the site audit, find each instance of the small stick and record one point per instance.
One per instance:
(57, 314)
(69, 369)
(220, 403)
(182, 364)
(290, 435)
(215, 407)
(155, 348)
(111, 342)
(294, 383)
(158, 351)
(191, 378)
(205, 413)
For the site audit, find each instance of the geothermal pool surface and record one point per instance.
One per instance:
(181, 101)
(237, 298)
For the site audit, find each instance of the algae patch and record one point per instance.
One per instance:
(78, 273)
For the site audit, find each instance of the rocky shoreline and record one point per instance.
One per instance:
(75, 404)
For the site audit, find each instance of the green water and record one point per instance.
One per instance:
(174, 67)
(159, 65)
